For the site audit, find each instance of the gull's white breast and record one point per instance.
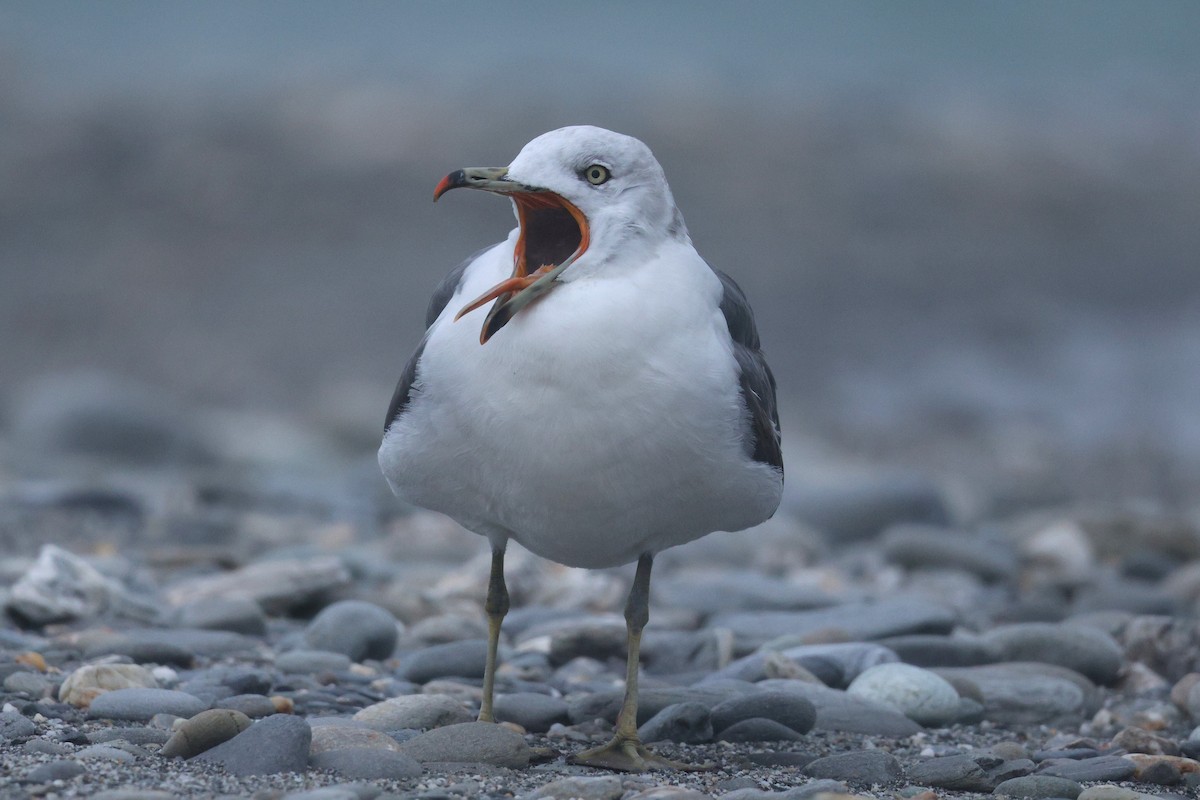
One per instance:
(600, 423)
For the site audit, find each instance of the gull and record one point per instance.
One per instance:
(612, 400)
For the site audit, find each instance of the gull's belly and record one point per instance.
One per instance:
(589, 448)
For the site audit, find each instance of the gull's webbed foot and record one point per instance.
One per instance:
(629, 755)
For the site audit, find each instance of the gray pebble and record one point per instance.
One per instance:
(270, 746)
(354, 628)
(139, 651)
(737, 590)
(785, 708)
(853, 511)
(1086, 650)
(420, 711)
(464, 659)
(235, 614)
(105, 752)
(63, 770)
(929, 547)
(606, 704)
(687, 723)
(133, 794)
(15, 726)
(472, 742)
(758, 729)
(1101, 768)
(204, 731)
(838, 711)
(331, 737)
(1039, 786)
(959, 772)
(680, 652)
(927, 650)
(532, 711)
(1024, 693)
(31, 684)
(47, 747)
(851, 621)
(367, 763)
(919, 694)
(133, 735)
(309, 662)
(142, 704)
(858, 767)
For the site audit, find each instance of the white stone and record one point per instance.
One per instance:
(918, 694)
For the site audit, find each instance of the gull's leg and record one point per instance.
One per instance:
(496, 607)
(625, 750)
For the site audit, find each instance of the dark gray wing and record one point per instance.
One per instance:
(755, 378)
(437, 303)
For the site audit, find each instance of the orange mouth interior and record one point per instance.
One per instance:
(552, 232)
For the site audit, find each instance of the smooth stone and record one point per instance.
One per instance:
(608, 787)
(1140, 740)
(30, 684)
(1101, 768)
(471, 742)
(367, 764)
(62, 770)
(681, 652)
(917, 547)
(737, 590)
(838, 711)
(857, 767)
(838, 664)
(687, 723)
(60, 587)
(203, 732)
(47, 748)
(786, 708)
(140, 705)
(443, 628)
(1039, 786)
(1020, 693)
(852, 622)
(418, 711)
(166, 641)
(959, 772)
(861, 509)
(254, 706)
(308, 662)
(464, 659)
(234, 614)
(139, 651)
(758, 729)
(532, 711)
(918, 694)
(1088, 651)
(277, 585)
(15, 726)
(270, 746)
(326, 738)
(925, 650)
(598, 638)
(354, 628)
(133, 794)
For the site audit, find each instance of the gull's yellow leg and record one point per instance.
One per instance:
(496, 607)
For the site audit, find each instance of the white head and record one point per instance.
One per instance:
(582, 195)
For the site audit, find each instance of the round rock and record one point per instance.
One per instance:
(758, 729)
(354, 628)
(532, 711)
(687, 723)
(786, 708)
(857, 767)
(88, 682)
(420, 711)
(204, 731)
(270, 746)
(465, 659)
(327, 738)
(367, 764)
(309, 662)
(919, 694)
(1039, 786)
(141, 704)
(15, 726)
(1089, 651)
(471, 742)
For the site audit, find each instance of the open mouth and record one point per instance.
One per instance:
(553, 235)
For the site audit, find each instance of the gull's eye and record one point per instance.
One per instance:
(596, 174)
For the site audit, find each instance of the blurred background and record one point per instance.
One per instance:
(969, 230)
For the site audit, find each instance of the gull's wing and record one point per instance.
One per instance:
(756, 380)
(437, 303)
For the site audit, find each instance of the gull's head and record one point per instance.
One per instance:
(582, 196)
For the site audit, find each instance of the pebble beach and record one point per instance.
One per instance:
(187, 621)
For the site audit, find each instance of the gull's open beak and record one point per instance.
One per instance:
(553, 234)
